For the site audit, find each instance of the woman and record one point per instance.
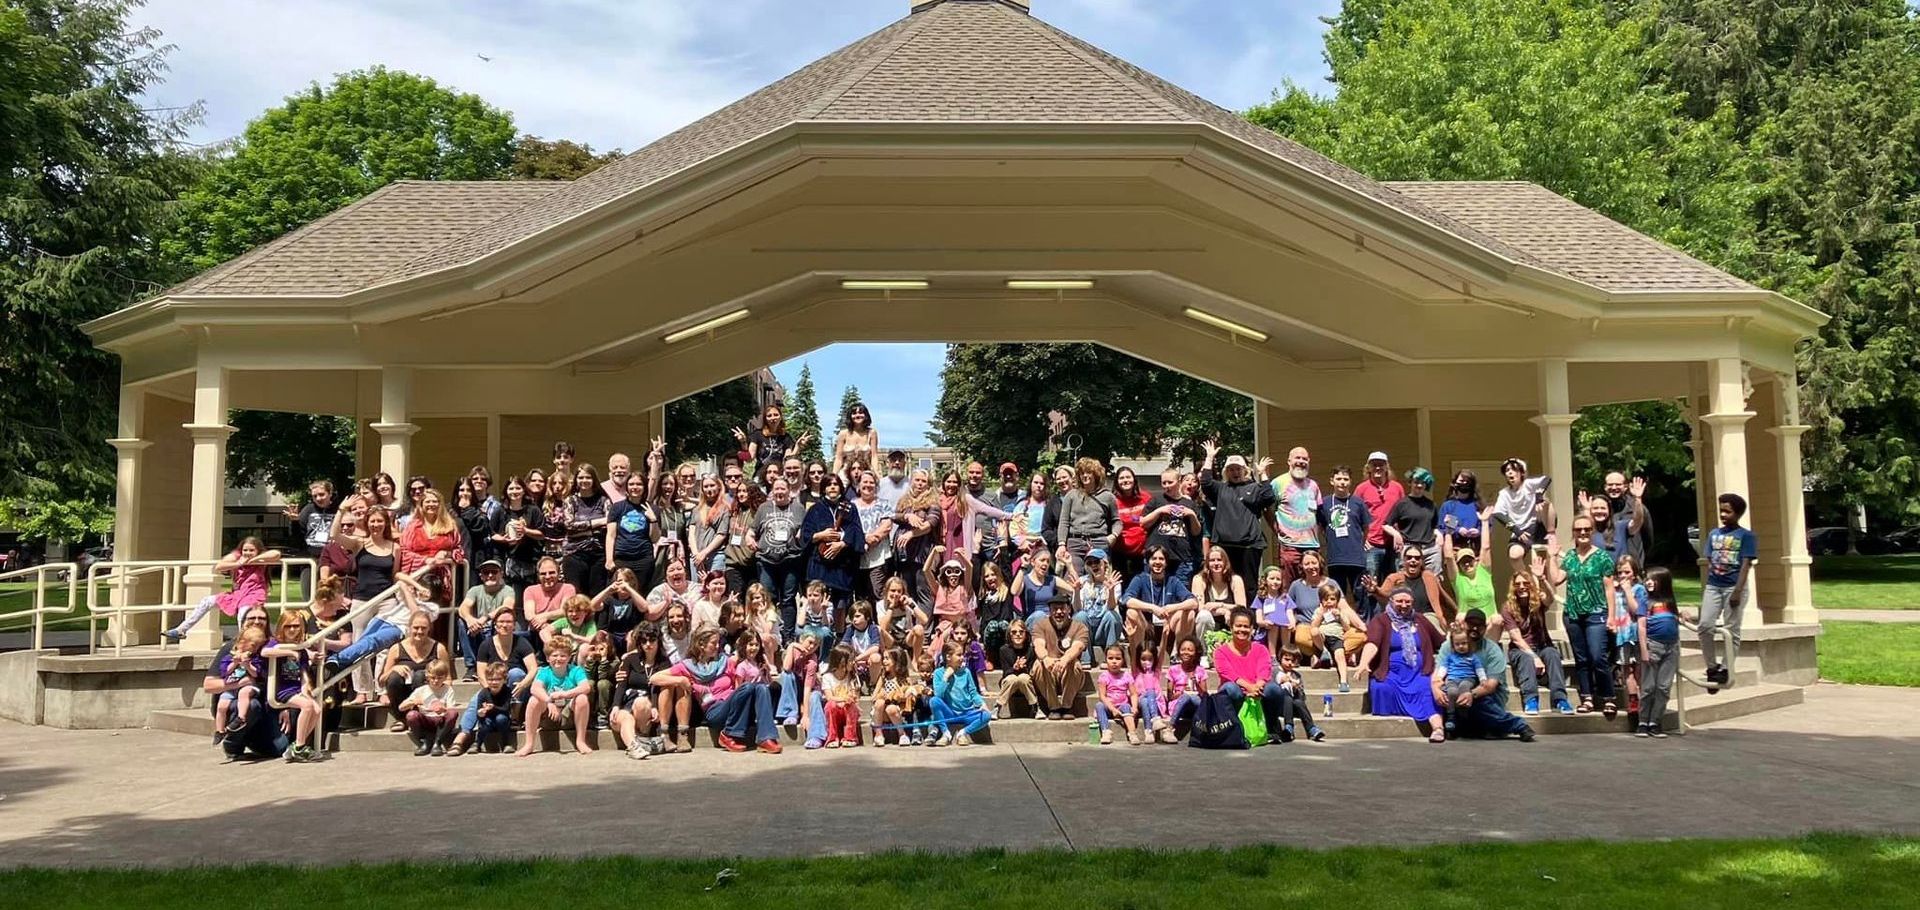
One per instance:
(835, 544)
(505, 646)
(815, 485)
(417, 487)
(1245, 667)
(1460, 525)
(769, 443)
(1088, 516)
(1530, 647)
(708, 527)
(476, 525)
(670, 544)
(1015, 659)
(632, 533)
(1608, 535)
(959, 509)
(1096, 601)
(386, 493)
(432, 541)
(537, 489)
(1129, 552)
(585, 518)
(1415, 520)
(1219, 591)
(1238, 502)
(375, 562)
(1399, 654)
(406, 665)
(1028, 525)
(916, 530)
(854, 446)
(1036, 587)
(1587, 572)
(519, 536)
(676, 588)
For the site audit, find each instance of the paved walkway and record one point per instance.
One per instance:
(1843, 760)
(1871, 615)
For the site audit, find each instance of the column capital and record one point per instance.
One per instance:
(129, 446)
(401, 430)
(204, 432)
(1553, 420)
(1731, 419)
(1791, 431)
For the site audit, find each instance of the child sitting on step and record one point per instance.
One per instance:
(1460, 671)
(241, 665)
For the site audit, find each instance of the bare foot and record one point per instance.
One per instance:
(583, 748)
(523, 752)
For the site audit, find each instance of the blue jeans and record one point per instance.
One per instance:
(470, 719)
(1272, 701)
(1380, 563)
(1185, 709)
(1489, 717)
(789, 707)
(262, 734)
(468, 638)
(782, 580)
(380, 635)
(1149, 705)
(975, 718)
(1589, 636)
(1105, 716)
(1103, 629)
(746, 715)
(1182, 571)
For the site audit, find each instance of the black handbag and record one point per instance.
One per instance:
(1217, 724)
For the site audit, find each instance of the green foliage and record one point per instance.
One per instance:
(290, 451)
(329, 146)
(535, 158)
(701, 425)
(86, 172)
(848, 398)
(995, 400)
(803, 415)
(41, 514)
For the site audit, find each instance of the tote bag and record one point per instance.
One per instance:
(1217, 725)
(1253, 721)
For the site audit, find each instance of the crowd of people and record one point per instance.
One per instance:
(772, 591)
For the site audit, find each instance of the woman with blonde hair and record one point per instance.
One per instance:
(1530, 647)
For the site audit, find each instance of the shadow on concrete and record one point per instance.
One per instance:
(19, 780)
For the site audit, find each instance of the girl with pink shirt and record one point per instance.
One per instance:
(1115, 688)
(1186, 685)
(1150, 692)
(247, 564)
(952, 597)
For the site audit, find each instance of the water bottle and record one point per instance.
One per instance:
(1326, 702)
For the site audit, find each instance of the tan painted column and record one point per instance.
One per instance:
(1702, 451)
(206, 510)
(1797, 564)
(130, 452)
(396, 433)
(1726, 421)
(1555, 421)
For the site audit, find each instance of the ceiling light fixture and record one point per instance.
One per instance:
(705, 327)
(1049, 284)
(884, 284)
(1228, 324)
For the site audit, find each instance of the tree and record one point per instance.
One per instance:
(848, 398)
(86, 172)
(995, 398)
(803, 415)
(535, 158)
(289, 451)
(701, 425)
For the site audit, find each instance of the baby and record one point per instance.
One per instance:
(1463, 670)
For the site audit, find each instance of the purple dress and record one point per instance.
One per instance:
(1406, 692)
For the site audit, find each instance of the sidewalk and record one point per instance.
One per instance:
(1842, 761)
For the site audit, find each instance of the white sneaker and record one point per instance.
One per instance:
(1133, 738)
(1106, 737)
(963, 740)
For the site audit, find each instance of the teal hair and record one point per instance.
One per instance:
(1421, 476)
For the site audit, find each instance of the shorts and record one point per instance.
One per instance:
(1532, 533)
(633, 695)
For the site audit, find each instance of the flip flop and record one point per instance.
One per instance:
(1586, 707)
(1610, 710)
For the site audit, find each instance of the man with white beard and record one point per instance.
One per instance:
(1296, 524)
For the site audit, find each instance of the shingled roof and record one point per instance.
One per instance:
(958, 61)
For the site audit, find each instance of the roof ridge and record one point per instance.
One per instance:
(253, 257)
(1052, 33)
(857, 74)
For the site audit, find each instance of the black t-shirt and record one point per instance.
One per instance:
(1415, 519)
(316, 525)
(632, 531)
(528, 551)
(770, 449)
(996, 610)
(1010, 654)
(493, 701)
(1172, 531)
(489, 654)
(638, 673)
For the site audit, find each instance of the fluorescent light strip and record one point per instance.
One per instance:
(708, 326)
(1049, 284)
(1228, 324)
(886, 284)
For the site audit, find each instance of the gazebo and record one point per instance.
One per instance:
(966, 173)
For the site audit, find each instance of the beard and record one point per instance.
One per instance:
(1298, 473)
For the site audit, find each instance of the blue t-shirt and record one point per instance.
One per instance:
(1170, 590)
(632, 537)
(1663, 621)
(546, 677)
(1460, 519)
(1463, 667)
(1727, 552)
(1343, 526)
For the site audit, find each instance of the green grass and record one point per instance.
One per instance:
(1870, 653)
(18, 595)
(1807, 872)
(1842, 583)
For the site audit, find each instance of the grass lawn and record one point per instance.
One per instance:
(1808, 872)
(1843, 583)
(17, 595)
(1876, 654)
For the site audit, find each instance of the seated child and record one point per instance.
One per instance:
(488, 721)
(242, 668)
(956, 701)
(842, 699)
(597, 659)
(1462, 673)
(430, 711)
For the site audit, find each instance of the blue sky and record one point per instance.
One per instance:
(620, 73)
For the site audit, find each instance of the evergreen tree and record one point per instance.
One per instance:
(848, 398)
(803, 415)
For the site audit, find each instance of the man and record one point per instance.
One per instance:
(995, 535)
(1173, 524)
(1050, 519)
(1239, 501)
(1486, 711)
(1058, 643)
(619, 467)
(775, 537)
(1379, 492)
(1296, 506)
(894, 485)
(1343, 519)
(314, 523)
(1628, 502)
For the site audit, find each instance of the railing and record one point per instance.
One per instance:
(316, 644)
(118, 578)
(40, 575)
(1725, 636)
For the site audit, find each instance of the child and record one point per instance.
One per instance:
(290, 665)
(921, 684)
(248, 566)
(1294, 701)
(1272, 610)
(763, 617)
(1186, 685)
(596, 658)
(752, 676)
(843, 700)
(893, 699)
(976, 655)
(488, 721)
(1524, 508)
(902, 623)
(1341, 633)
(1731, 551)
(956, 700)
(1150, 691)
(242, 665)
(621, 608)
(995, 609)
(1659, 652)
(799, 680)
(1460, 673)
(1017, 662)
(816, 615)
(864, 638)
(952, 598)
(560, 690)
(429, 711)
(1115, 687)
(1623, 619)
(576, 627)
(633, 701)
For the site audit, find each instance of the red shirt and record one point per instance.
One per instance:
(1379, 502)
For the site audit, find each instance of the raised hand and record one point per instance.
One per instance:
(1638, 487)
(740, 435)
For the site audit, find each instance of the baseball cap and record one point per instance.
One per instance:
(1009, 468)
(1099, 553)
(493, 564)
(1235, 461)
(1378, 456)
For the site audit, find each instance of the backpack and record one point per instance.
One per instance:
(1217, 724)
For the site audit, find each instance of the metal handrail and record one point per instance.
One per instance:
(39, 610)
(1725, 636)
(317, 640)
(119, 573)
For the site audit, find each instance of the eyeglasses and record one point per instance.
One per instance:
(1586, 531)
(815, 473)
(416, 490)
(735, 477)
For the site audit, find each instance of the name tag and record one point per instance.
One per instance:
(779, 534)
(735, 540)
(1341, 531)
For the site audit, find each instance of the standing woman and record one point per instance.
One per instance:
(1238, 501)
(585, 518)
(386, 493)
(1129, 551)
(854, 446)
(1587, 572)
(1461, 527)
(476, 525)
(959, 532)
(432, 540)
(632, 533)
(1088, 516)
(1415, 520)
(670, 541)
(517, 537)
(376, 557)
(708, 528)
(916, 531)
(1029, 522)
(835, 543)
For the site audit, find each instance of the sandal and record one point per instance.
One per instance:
(1586, 707)
(398, 726)
(1610, 710)
(456, 751)
(1438, 736)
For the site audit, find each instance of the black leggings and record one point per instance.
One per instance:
(1245, 561)
(586, 570)
(399, 686)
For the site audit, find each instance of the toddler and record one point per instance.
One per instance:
(242, 669)
(1115, 687)
(430, 711)
(893, 699)
(1463, 673)
(1150, 690)
(842, 698)
(1293, 702)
